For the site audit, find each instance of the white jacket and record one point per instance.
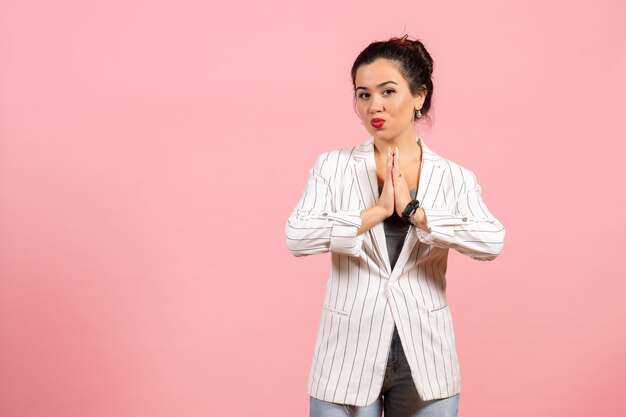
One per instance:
(364, 297)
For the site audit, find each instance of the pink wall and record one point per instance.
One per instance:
(150, 154)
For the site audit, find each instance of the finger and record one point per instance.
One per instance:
(395, 164)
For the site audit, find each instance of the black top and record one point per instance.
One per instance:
(395, 232)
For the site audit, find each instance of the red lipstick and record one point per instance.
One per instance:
(377, 123)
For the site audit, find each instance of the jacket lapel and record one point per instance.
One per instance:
(367, 184)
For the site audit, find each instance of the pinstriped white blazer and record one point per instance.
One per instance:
(364, 297)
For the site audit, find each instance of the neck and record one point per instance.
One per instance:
(406, 143)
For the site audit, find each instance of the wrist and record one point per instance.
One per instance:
(409, 210)
(418, 219)
(382, 213)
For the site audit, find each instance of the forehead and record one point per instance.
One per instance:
(378, 71)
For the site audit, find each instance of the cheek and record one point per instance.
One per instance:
(361, 110)
(398, 105)
(407, 104)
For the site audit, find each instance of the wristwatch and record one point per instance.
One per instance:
(409, 210)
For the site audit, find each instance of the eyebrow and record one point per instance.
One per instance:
(379, 85)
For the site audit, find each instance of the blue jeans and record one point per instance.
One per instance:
(398, 396)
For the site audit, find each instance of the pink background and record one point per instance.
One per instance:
(151, 152)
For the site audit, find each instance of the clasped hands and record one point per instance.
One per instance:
(395, 193)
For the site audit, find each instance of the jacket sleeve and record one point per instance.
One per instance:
(470, 229)
(315, 225)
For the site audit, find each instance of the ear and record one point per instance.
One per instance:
(420, 97)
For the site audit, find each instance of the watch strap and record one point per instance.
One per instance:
(410, 209)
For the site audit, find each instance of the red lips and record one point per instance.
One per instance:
(377, 123)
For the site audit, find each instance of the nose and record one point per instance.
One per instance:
(376, 104)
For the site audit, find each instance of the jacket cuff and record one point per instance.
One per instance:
(441, 225)
(343, 236)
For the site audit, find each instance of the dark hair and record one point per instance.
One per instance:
(416, 65)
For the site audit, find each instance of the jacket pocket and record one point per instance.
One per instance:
(337, 311)
(433, 310)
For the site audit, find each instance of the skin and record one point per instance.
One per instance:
(394, 103)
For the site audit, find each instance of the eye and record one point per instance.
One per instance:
(363, 95)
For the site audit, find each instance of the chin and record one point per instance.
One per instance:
(382, 134)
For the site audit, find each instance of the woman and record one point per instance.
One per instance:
(385, 338)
